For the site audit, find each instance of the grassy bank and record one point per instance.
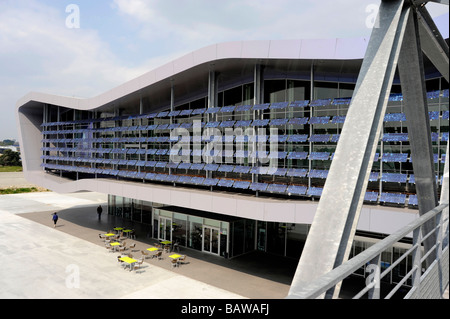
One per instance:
(9, 169)
(20, 190)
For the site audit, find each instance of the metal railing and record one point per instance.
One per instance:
(371, 258)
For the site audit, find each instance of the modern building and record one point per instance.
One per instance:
(226, 149)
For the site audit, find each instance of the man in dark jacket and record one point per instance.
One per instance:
(99, 211)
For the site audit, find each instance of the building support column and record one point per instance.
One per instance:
(330, 239)
(412, 79)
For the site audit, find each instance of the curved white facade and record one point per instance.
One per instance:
(30, 116)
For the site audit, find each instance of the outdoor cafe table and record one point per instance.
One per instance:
(128, 260)
(118, 228)
(109, 235)
(152, 249)
(115, 244)
(175, 256)
(166, 242)
(127, 231)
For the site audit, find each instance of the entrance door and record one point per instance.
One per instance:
(165, 228)
(211, 240)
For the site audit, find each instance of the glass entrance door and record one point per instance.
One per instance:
(211, 240)
(165, 228)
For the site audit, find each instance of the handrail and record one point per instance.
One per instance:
(335, 276)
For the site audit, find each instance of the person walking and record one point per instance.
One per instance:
(99, 211)
(55, 219)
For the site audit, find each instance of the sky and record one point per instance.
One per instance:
(83, 48)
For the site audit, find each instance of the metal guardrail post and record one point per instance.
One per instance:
(416, 257)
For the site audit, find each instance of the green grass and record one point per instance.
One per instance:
(7, 191)
(9, 169)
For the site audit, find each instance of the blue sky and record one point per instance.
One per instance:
(119, 40)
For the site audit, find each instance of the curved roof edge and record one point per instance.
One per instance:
(314, 49)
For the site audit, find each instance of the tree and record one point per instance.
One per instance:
(10, 158)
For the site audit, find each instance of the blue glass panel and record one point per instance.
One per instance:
(298, 121)
(373, 176)
(279, 121)
(243, 108)
(212, 110)
(278, 138)
(152, 127)
(174, 113)
(413, 200)
(371, 196)
(172, 178)
(299, 103)
(319, 138)
(150, 164)
(277, 188)
(395, 117)
(394, 198)
(162, 126)
(210, 181)
(184, 165)
(241, 169)
(186, 125)
(227, 124)
(395, 137)
(320, 102)
(298, 138)
(396, 97)
(225, 182)
(211, 167)
(162, 114)
(172, 165)
(162, 152)
(297, 172)
(318, 173)
(319, 156)
(278, 154)
(258, 187)
(278, 172)
(260, 122)
(212, 124)
(173, 126)
(315, 191)
(296, 190)
(445, 115)
(243, 123)
(185, 112)
(395, 157)
(335, 138)
(394, 177)
(197, 166)
(227, 109)
(279, 105)
(342, 101)
(225, 168)
(241, 184)
(297, 155)
(184, 179)
(319, 120)
(197, 180)
(198, 111)
(261, 106)
(151, 151)
(161, 164)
